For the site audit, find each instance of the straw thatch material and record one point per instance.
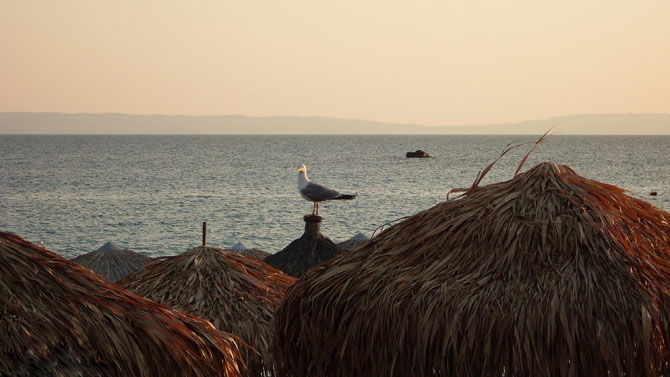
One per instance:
(306, 252)
(548, 274)
(58, 318)
(254, 253)
(112, 262)
(236, 293)
(354, 242)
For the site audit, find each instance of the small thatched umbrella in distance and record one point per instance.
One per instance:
(112, 262)
(238, 294)
(548, 274)
(58, 318)
(241, 248)
(354, 242)
(306, 252)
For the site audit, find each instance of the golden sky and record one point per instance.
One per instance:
(428, 62)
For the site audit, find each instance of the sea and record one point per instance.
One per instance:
(152, 193)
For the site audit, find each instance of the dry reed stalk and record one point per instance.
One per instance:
(113, 264)
(58, 318)
(547, 274)
(238, 294)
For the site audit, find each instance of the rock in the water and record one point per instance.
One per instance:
(417, 154)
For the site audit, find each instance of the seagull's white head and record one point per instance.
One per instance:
(302, 169)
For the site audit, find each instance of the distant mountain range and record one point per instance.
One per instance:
(60, 123)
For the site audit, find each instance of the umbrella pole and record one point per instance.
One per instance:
(204, 233)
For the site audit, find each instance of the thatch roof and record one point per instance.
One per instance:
(548, 274)
(236, 293)
(306, 252)
(354, 242)
(255, 253)
(58, 318)
(112, 262)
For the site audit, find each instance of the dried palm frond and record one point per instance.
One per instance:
(547, 274)
(238, 294)
(58, 318)
(306, 252)
(112, 263)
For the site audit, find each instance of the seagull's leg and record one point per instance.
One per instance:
(313, 207)
(317, 208)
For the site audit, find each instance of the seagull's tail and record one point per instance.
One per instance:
(346, 197)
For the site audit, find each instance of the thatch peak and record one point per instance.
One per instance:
(359, 237)
(549, 168)
(236, 293)
(59, 319)
(354, 242)
(109, 246)
(313, 224)
(113, 263)
(240, 246)
(547, 274)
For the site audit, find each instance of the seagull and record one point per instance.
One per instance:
(317, 193)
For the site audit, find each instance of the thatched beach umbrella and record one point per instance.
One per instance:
(112, 262)
(241, 248)
(254, 253)
(57, 318)
(548, 274)
(306, 252)
(236, 293)
(354, 242)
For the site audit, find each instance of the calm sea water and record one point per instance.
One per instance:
(152, 193)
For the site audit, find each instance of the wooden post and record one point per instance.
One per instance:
(204, 233)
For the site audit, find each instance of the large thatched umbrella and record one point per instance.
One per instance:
(238, 294)
(58, 318)
(548, 274)
(112, 262)
(306, 252)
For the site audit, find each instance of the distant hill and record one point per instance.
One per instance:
(60, 123)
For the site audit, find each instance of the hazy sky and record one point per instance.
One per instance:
(429, 62)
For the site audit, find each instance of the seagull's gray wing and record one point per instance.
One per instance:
(319, 193)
